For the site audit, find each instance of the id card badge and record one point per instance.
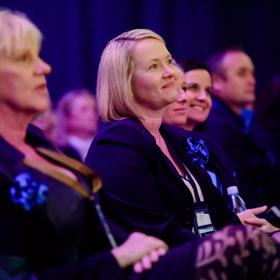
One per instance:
(202, 221)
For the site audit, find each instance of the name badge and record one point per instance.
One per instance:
(202, 220)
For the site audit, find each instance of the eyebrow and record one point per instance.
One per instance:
(157, 58)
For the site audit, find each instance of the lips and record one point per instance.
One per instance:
(198, 107)
(168, 85)
(42, 89)
(180, 110)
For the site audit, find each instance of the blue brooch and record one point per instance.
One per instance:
(28, 192)
(198, 151)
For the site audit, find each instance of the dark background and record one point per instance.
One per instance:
(76, 31)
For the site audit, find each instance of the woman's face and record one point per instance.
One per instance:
(83, 115)
(176, 112)
(23, 85)
(154, 81)
(198, 95)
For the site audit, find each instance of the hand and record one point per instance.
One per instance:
(140, 250)
(276, 236)
(249, 217)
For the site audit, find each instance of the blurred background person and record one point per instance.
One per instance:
(77, 122)
(232, 126)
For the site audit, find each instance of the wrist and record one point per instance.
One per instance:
(121, 258)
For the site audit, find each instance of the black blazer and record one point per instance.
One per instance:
(142, 189)
(58, 239)
(253, 154)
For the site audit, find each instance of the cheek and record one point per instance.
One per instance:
(144, 83)
(206, 114)
(190, 97)
(209, 102)
(8, 82)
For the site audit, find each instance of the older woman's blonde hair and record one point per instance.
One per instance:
(115, 98)
(17, 31)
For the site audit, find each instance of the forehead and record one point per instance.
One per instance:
(149, 49)
(198, 76)
(82, 100)
(234, 61)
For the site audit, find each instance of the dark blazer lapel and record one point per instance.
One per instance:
(176, 141)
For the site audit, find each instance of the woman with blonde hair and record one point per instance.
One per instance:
(150, 184)
(76, 122)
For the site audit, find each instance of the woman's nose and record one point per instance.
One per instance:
(169, 71)
(43, 67)
(182, 95)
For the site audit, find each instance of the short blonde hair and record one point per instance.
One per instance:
(16, 30)
(64, 110)
(115, 98)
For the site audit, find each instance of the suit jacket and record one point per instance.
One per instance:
(142, 189)
(60, 238)
(219, 163)
(252, 154)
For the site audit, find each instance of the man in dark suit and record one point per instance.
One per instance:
(232, 126)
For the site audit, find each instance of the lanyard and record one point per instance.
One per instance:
(193, 185)
(73, 184)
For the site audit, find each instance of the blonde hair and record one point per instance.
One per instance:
(115, 99)
(64, 110)
(16, 30)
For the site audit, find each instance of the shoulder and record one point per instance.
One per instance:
(127, 131)
(176, 136)
(36, 137)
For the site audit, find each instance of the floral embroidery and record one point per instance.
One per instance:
(28, 192)
(198, 151)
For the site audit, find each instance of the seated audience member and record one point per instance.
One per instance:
(197, 84)
(77, 122)
(49, 227)
(249, 146)
(150, 183)
(193, 110)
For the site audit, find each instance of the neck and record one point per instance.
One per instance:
(151, 118)
(13, 126)
(238, 109)
(152, 124)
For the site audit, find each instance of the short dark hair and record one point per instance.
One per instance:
(215, 60)
(192, 64)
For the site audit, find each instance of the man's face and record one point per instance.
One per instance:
(237, 86)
